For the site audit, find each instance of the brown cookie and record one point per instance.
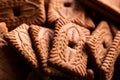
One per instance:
(16, 12)
(42, 38)
(99, 42)
(107, 66)
(67, 53)
(20, 40)
(68, 9)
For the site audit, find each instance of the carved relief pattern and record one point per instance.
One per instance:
(16, 12)
(99, 42)
(67, 51)
(20, 39)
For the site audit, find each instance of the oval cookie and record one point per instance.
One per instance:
(67, 53)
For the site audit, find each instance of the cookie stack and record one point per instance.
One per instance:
(60, 40)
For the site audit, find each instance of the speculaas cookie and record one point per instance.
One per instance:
(67, 53)
(99, 42)
(42, 38)
(16, 12)
(19, 38)
(107, 66)
(68, 9)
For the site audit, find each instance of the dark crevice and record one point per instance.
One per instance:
(16, 11)
(67, 4)
(71, 45)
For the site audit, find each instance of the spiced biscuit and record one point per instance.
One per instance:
(16, 12)
(99, 42)
(67, 54)
(107, 66)
(42, 38)
(67, 9)
(20, 40)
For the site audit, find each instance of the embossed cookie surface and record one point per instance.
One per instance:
(99, 42)
(16, 12)
(21, 41)
(42, 38)
(67, 52)
(107, 66)
(68, 9)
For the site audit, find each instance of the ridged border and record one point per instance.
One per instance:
(38, 18)
(60, 43)
(29, 57)
(107, 67)
(53, 15)
(101, 36)
(42, 49)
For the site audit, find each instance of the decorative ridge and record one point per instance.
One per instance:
(41, 40)
(107, 66)
(95, 40)
(17, 17)
(54, 12)
(60, 49)
(30, 57)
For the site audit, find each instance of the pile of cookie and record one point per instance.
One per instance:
(59, 40)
